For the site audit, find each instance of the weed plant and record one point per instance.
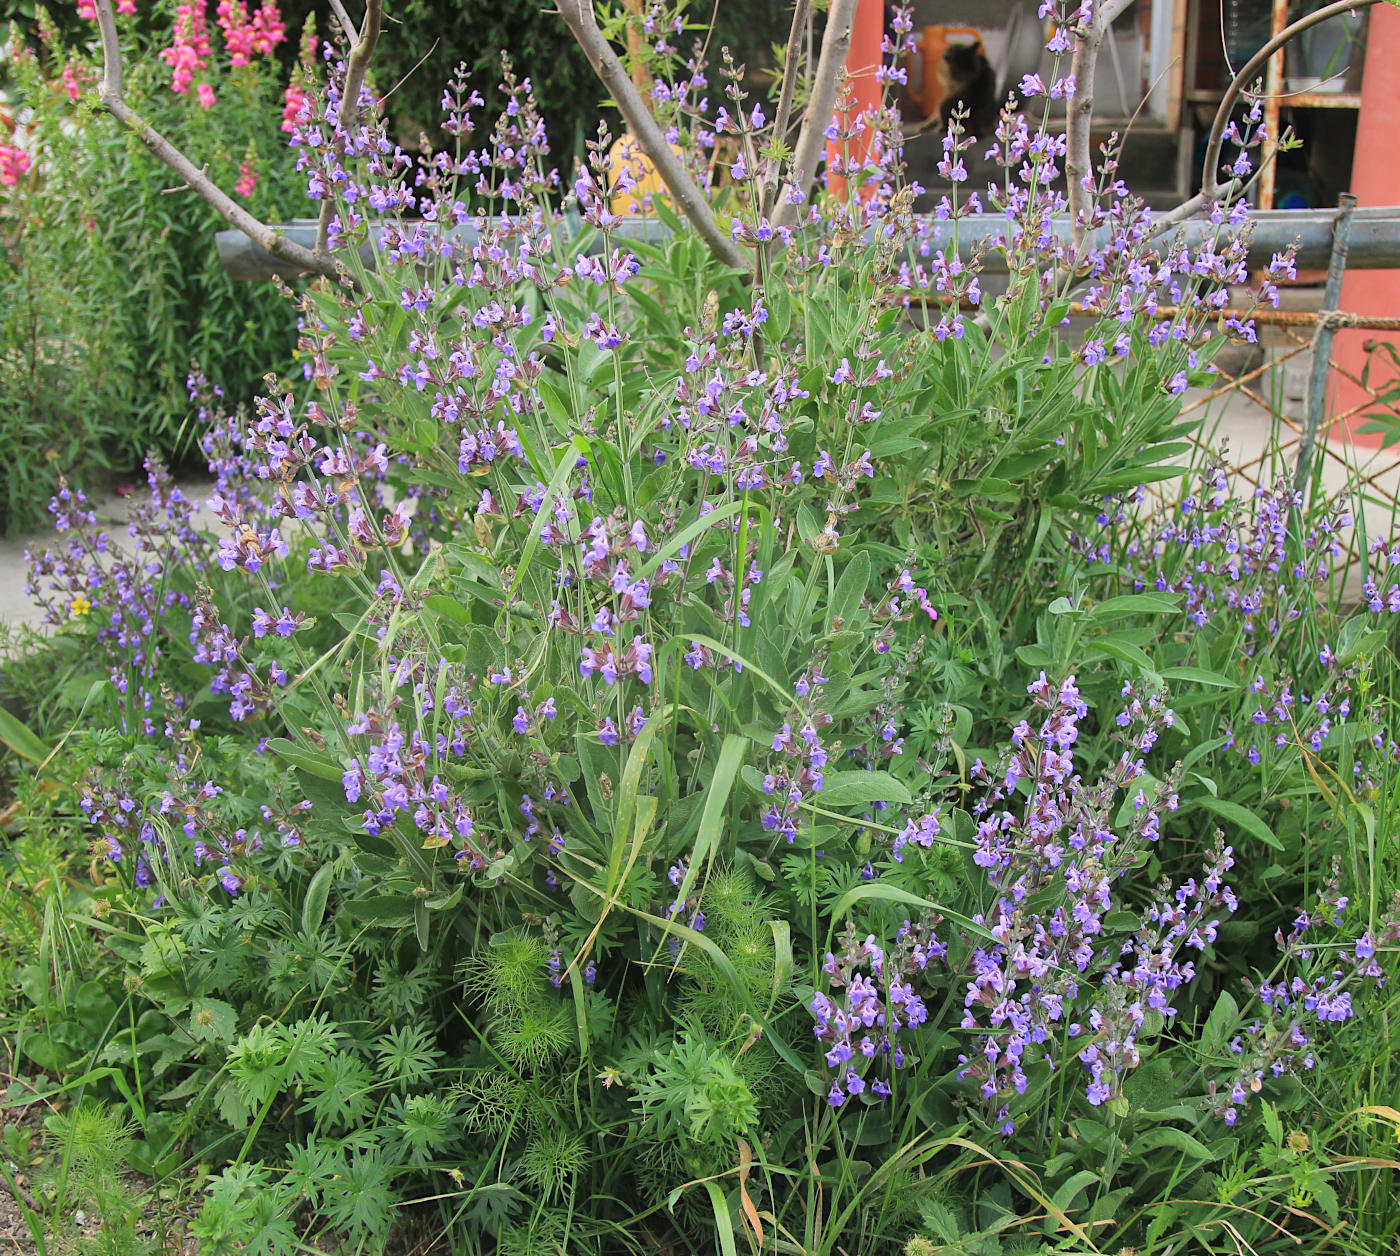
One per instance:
(660, 756)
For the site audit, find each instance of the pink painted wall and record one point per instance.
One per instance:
(1375, 179)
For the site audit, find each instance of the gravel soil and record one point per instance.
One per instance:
(161, 1225)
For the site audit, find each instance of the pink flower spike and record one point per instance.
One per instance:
(307, 52)
(207, 99)
(247, 179)
(294, 99)
(189, 52)
(268, 28)
(13, 163)
(240, 37)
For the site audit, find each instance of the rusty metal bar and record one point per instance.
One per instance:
(1278, 318)
(1236, 381)
(1236, 384)
(1322, 338)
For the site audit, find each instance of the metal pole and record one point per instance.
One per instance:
(1322, 338)
(1375, 239)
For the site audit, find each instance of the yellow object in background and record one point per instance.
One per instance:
(627, 155)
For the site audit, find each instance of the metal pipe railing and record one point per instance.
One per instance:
(1374, 242)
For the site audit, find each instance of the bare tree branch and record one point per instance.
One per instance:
(836, 43)
(1078, 143)
(578, 15)
(784, 114)
(362, 44)
(361, 50)
(1079, 162)
(114, 102)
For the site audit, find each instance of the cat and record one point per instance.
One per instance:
(967, 79)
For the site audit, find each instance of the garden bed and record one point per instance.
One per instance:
(745, 741)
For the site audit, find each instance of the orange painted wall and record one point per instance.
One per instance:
(862, 61)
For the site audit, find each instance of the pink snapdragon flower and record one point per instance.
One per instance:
(247, 178)
(239, 35)
(14, 162)
(268, 28)
(249, 37)
(189, 53)
(294, 99)
(72, 86)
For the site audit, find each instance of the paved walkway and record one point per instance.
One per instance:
(113, 512)
(1254, 435)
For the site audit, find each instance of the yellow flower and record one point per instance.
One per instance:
(79, 606)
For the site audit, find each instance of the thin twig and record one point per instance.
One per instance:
(578, 16)
(417, 65)
(113, 101)
(184, 187)
(785, 95)
(836, 43)
(343, 18)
